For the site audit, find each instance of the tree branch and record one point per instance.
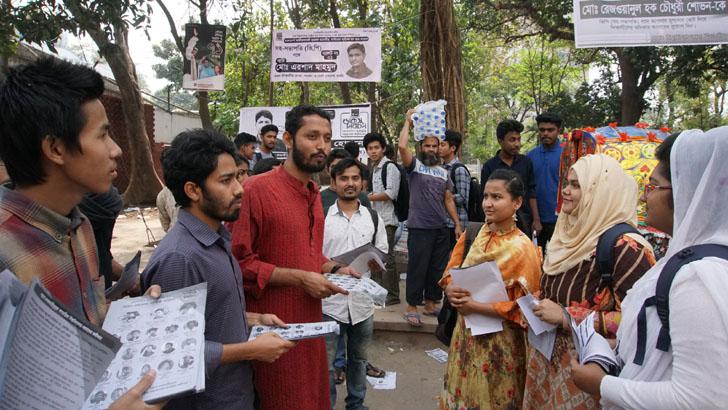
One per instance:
(172, 27)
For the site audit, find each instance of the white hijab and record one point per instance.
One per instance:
(700, 193)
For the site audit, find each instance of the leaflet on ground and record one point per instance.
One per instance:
(593, 347)
(129, 278)
(297, 331)
(50, 357)
(165, 334)
(485, 283)
(362, 258)
(361, 285)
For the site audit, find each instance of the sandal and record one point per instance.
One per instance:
(435, 312)
(413, 318)
(374, 371)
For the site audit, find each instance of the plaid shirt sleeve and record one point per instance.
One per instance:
(462, 185)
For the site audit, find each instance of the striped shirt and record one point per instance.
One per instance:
(461, 193)
(59, 250)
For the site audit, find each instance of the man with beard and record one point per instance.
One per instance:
(268, 138)
(199, 168)
(349, 225)
(278, 242)
(508, 133)
(428, 242)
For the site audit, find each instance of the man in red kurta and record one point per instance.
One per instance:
(278, 242)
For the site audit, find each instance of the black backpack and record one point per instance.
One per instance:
(474, 205)
(661, 299)
(448, 316)
(605, 250)
(401, 203)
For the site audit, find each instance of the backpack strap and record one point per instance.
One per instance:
(471, 232)
(661, 299)
(605, 250)
(384, 174)
(375, 221)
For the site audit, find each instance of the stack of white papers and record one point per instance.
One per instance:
(165, 334)
(297, 331)
(361, 285)
(485, 283)
(593, 347)
(541, 335)
(129, 278)
(388, 382)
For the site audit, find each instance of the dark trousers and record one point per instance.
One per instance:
(427, 251)
(546, 233)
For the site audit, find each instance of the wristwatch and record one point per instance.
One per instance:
(336, 268)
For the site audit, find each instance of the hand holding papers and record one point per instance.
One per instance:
(541, 335)
(361, 285)
(485, 283)
(129, 278)
(297, 331)
(361, 257)
(593, 347)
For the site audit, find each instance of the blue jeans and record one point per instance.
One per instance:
(340, 359)
(357, 338)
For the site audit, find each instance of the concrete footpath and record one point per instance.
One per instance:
(396, 345)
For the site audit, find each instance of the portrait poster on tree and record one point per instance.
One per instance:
(204, 57)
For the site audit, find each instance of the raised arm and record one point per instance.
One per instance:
(404, 151)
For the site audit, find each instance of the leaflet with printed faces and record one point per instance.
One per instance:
(51, 359)
(593, 347)
(165, 334)
(362, 285)
(485, 283)
(297, 331)
(362, 258)
(129, 278)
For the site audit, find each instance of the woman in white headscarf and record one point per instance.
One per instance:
(598, 196)
(693, 372)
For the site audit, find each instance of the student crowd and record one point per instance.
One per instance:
(262, 242)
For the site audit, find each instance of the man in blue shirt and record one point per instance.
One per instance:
(199, 169)
(546, 159)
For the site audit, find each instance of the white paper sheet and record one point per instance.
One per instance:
(543, 342)
(437, 354)
(485, 283)
(388, 382)
(360, 257)
(297, 331)
(527, 303)
(362, 285)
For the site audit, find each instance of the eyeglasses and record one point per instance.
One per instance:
(652, 187)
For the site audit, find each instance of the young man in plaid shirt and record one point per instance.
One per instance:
(448, 152)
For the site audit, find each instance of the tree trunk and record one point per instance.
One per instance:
(270, 83)
(204, 109)
(144, 184)
(631, 99)
(441, 66)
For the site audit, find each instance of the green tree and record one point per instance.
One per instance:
(171, 70)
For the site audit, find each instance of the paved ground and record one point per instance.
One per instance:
(396, 346)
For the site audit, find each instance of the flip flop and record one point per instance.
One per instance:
(340, 377)
(374, 371)
(413, 318)
(435, 312)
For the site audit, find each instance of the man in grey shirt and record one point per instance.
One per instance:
(199, 169)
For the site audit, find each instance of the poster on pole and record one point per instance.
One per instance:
(348, 123)
(204, 59)
(327, 55)
(635, 23)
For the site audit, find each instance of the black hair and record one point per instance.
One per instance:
(240, 158)
(454, 138)
(243, 139)
(263, 113)
(336, 153)
(352, 147)
(374, 137)
(192, 157)
(506, 126)
(268, 128)
(345, 164)
(356, 46)
(265, 165)
(513, 181)
(389, 151)
(38, 100)
(549, 117)
(662, 154)
(294, 118)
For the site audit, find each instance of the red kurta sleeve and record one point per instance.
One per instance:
(246, 232)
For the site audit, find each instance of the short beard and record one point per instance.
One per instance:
(428, 159)
(215, 209)
(301, 163)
